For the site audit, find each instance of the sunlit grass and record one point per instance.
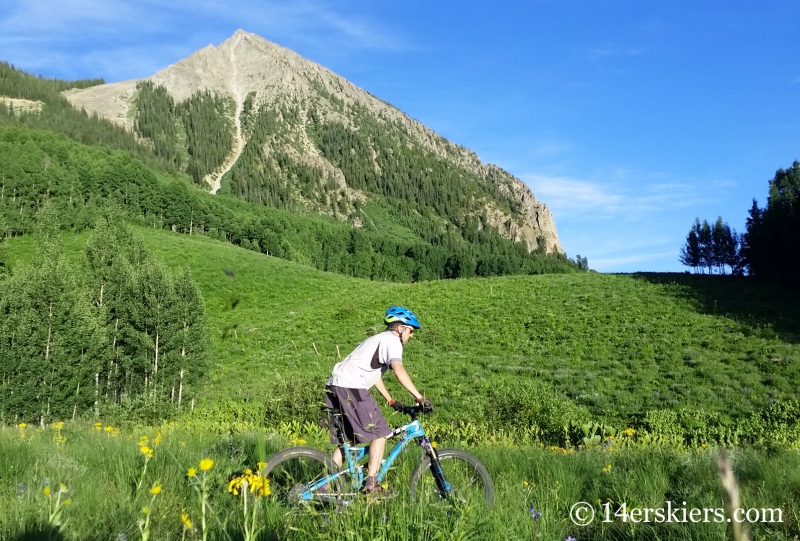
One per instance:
(98, 471)
(617, 345)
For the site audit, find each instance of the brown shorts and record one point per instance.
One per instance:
(362, 418)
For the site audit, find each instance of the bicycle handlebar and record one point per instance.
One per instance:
(414, 410)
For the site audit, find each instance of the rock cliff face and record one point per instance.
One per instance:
(254, 72)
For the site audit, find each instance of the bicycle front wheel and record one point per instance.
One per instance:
(293, 471)
(467, 479)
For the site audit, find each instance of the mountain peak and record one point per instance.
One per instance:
(248, 68)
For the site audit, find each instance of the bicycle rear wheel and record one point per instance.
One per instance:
(468, 479)
(292, 471)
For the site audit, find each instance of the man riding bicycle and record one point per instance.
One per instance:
(347, 390)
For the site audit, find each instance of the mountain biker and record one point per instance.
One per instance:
(347, 390)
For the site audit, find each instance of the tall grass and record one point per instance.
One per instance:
(101, 469)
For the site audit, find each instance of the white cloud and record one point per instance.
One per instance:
(618, 196)
(122, 38)
(45, 21)
(623, 220)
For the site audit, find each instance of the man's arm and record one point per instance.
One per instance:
(381, 386)
(404, 379)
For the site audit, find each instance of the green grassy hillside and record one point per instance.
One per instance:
(672, 355)
(615, 346)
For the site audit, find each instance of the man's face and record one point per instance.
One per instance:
(406, 332)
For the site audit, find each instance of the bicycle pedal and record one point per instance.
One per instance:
(380, 495)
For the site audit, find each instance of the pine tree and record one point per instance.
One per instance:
(690, 253)
(726, 251)
(705, 243)
(771, 243)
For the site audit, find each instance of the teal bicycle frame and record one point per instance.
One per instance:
(411, 431)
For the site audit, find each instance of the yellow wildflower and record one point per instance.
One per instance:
(206, 464)
(146, 451)
(59, 425)
(526, 483)
(192, 472)
(186, 522)
(261, 466)
(156, 490)
(22, 426)
(143, 440)
(109, 428)
(158, 439)
(255, 484)
(98, 426)
(235, 485)
(607, 468)
(46, 491)
(146, 510)
(67, 502)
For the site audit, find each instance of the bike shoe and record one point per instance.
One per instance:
(375, 491)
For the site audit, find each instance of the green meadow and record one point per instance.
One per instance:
(667, 369)
(609, 347)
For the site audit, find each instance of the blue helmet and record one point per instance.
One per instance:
(403, 315)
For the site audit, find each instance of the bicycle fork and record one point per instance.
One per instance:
(436, 467)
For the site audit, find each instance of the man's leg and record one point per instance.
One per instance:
(338, 457)
(376, 449)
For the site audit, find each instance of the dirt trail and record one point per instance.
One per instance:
(216, 177)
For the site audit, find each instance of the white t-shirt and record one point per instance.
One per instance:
(367, 363)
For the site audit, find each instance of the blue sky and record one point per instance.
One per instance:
(629, 118)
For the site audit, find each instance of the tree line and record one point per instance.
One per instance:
(80, 181)
(712, 248)
(120, 328)
(770, 247)
(772, 241)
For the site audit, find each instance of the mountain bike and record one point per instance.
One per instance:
(303, 475)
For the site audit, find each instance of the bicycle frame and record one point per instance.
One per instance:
(354, 455)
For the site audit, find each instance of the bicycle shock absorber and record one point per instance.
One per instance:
(436, 467)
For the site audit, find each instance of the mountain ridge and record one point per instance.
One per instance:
(248, 67)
